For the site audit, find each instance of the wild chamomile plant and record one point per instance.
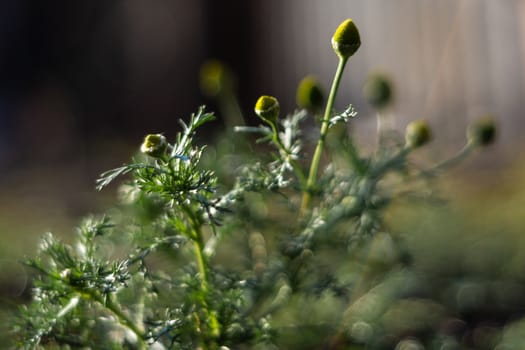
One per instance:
(275, 261)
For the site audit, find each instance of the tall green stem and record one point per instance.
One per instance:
(198, 244)
(201, 264)
(316, 159)
(211, 318)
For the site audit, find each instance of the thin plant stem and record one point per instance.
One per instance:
(110, 305)
(437, 169)
(454, 160)
(124, 320)
(198, 244)
(379, 131)
(382, 168)
(201, 264)
(316, 159)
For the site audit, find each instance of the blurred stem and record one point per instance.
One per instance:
(390, 163)
(203, 273)
(316, 159)
(380, 131)
(124, 320)
(108, 303)
(230, 109)
(384, 123)
(198, 245)
(453, 161)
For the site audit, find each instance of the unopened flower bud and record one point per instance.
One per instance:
(417, 134)
(482, 132)
(310, 95)
(154, 145)
(267, 108)
(215, 78)
(378, 91)
(346, 39)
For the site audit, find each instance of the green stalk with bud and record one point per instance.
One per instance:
(267, 108)
(480, 134)
(155, 146)
(345, 42)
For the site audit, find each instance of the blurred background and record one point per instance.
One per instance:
(81, 82)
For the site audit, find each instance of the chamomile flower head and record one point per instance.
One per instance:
(154, 145)
(267, 108)
(417, 134)
(346, 39)
(482, 132)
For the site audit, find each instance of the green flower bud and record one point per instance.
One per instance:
(417, 134)
(346, 39)
(310, 94)
(215, 78)
(154, 145)
(482, 132)
(378, 91)
(267, 108)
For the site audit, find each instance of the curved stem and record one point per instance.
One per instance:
(454, 160)
(123, 318)
(316, 159)
(110, 305)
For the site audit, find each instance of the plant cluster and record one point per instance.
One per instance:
(277, 259)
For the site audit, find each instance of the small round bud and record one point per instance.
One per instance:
(482, 132)
(417, 134)
(215, 78)
(378, 91)
(310, 95)
(346, 39)
(267, 108)
(154, 145)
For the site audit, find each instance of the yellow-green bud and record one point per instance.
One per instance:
(417, 134)
(215, 78)
(154, 145)
(346, 39)
(378, 91)
(267, 108)
(482, 132)
(310, 94)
